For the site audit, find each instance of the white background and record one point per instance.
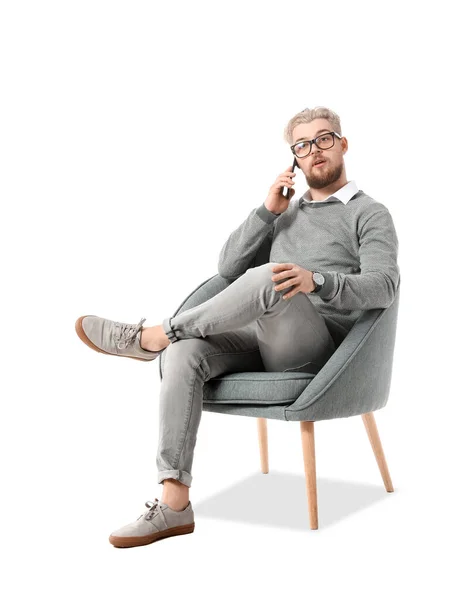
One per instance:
(135, 137)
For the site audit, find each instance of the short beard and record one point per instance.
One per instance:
(322, 180)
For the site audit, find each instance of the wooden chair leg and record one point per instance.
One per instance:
(263, 443)
(309, 458)
(373, 435)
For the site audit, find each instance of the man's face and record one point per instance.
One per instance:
(332, 169)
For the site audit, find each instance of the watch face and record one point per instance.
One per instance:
(318, 278)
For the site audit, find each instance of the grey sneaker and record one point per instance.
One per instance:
(160, 521)
(113, 337)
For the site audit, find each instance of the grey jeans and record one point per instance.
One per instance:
(248, 326)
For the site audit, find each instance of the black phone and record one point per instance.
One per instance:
(286, 188)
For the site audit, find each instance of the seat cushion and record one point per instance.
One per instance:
(263, 387)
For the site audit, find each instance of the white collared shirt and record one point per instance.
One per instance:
(344, 194)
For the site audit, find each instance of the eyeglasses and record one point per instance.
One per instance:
(323, 141)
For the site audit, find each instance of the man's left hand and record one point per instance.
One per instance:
(296, 276)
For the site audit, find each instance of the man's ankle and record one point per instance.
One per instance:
(147, 339)
(153, 338)
(175, 494)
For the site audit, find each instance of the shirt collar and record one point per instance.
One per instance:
(344, 194)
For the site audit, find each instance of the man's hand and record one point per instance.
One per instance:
(301, 278)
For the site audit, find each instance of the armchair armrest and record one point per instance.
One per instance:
(357, 377)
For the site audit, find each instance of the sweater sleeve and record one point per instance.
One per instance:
(375, 286)
(240, 249)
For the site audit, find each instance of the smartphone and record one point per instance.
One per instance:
(286, 188)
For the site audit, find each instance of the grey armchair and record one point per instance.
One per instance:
(355, 381)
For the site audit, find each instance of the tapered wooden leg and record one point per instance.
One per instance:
(373, 435)
(309, 458)
(263, 443)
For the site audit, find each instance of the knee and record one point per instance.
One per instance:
(264, 272)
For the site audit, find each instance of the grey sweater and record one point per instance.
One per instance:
(354, 245)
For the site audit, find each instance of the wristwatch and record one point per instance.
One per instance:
(319, 280)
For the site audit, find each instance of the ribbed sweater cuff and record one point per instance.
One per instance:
(265, 214)
(328, 285)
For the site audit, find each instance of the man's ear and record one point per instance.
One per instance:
(344, 143)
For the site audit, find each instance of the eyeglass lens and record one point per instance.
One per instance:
(304, 148)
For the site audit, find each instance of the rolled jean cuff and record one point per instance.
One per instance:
(182, 476)
(168, 330)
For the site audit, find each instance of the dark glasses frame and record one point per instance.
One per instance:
(311, 142)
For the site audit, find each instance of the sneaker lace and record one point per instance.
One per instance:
(125, 333)
(154, 507)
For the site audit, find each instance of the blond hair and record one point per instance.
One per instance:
(307, 115)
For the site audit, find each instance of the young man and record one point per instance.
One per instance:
(329, 256)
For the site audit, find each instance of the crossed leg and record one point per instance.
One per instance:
(246, 327)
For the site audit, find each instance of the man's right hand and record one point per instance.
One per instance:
(276, 202)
